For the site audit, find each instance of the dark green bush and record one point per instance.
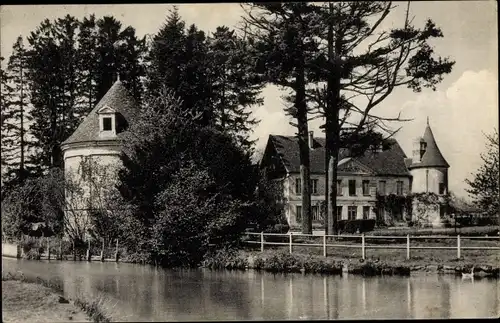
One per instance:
(224, 259)
(360, 225)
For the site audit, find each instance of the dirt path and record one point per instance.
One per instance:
(24, 302)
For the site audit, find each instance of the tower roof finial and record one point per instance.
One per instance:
(427, 120)
(118, 79)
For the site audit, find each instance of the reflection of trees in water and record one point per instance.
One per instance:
(227, 290)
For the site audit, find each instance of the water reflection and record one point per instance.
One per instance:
(143, 293)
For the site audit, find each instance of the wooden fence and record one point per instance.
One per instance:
(58, 249)
(363, 245)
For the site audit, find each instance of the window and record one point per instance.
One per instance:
(298, 186)
(352, 187)
(382, 187)
(316, 216)
(351, 212)
(298, 216)
(339, 212)
(366, 212)
(399, 187)
(106, 124)
(339, 187)
(441, 188)
(366, 187)
(314, 186)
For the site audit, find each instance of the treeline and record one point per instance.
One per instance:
(188, 183)
(52, 80)
(57, 74)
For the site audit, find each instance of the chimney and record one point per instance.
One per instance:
(311, 139)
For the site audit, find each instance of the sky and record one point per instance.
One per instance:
(464, 106)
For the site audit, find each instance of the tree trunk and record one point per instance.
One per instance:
(303, 134)
(21, 128)
(332, 126)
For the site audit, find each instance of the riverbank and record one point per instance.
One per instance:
(281, 261)
(29, 299)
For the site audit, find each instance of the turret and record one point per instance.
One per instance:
(428, 168)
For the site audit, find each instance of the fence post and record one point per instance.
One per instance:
(407, 246)
(102, 251)
(60, 250)
(324, 245)
(363, 252)
(48, 248)
(116, 252)
(290, 241)
(89, 255)
(262, 241)
(458, 246)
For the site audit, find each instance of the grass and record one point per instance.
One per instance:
(29, 299)
(93, 309)
(24, 301)
(465, 231)
(383, 251)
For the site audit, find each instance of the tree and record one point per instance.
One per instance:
(362, 64)
(15, 118)
(235, 86)
(484, 187)
(37, 200)
(52, 88)
(286, 45)
(66, 52)
(179, 60)
(189, 186)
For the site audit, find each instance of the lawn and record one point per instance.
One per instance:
(30, 302)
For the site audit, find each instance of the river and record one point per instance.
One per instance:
(144, 293)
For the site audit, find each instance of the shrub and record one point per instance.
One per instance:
(361, 225)
(224, 259)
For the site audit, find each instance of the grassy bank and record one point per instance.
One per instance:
(384, 249)
(33, 299)
(490, 230)
(282, 261)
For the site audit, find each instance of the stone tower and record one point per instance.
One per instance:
(98, 138)
(429, 172)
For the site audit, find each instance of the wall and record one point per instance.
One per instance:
(428, 179)
(10, 250)
(359, 200)
(107, 156)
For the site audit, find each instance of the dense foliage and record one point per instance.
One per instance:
(484, 187)
(190, 187)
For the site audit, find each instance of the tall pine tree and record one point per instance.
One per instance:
(178, 60)
(15, 118)
(235, 85)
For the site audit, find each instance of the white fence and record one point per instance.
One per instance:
(363, 246)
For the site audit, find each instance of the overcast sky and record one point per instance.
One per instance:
(464, 105)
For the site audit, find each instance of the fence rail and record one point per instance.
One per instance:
(58, 249)
(363, 246)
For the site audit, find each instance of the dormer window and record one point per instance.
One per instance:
(107, 124)
(107, 121)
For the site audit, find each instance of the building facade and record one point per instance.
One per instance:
(361, 179)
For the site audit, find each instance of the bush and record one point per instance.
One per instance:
(486, 221)
(224, 259)
(362, 225)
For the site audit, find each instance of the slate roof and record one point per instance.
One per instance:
(387, 162)
(432, 156)
(117, 98)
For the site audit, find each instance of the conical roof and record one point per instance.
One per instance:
(432, 156)
(117, 98)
